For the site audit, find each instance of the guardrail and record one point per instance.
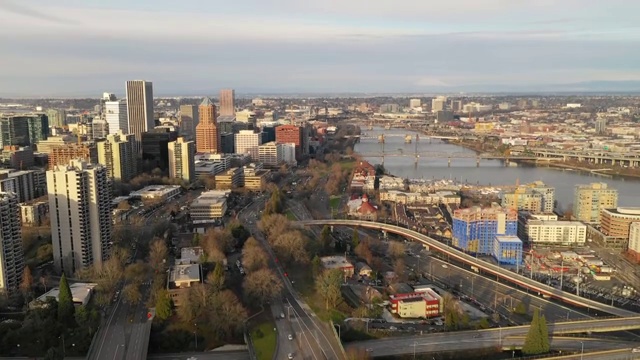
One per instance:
(482, 265)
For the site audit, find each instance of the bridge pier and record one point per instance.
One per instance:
(478, 161)
(449, 162)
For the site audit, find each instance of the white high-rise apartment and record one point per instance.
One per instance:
(117, 154)
(140, 107)
(248, 142)
(182, 160)
(415, 103)
(80, 210)
(438, 104)
(289, 154)
(116, 116)
(271, 154)
(11, 254)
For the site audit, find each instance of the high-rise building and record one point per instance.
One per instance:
(616, 222)
(634, 242)
(22, 183)
(99, 128)
(438, 104)
(475, 229)
(207, 131)
(247, 142)
(57, 117)
(227, 102)
(11, 254)
(286, 134)
(155, 146)
(23, 129)
(189, 119)
(139, 108)
(62, 154)
(117, 154)
(588, 200)
(227, 141)
(182, 160)
(415, 103)
(80, 208)
(456, 105)
(115, 113)
(271, 154)
(601, 125)
(535, 197)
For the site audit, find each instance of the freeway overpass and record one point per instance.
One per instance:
(482, 265)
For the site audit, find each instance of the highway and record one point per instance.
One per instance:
(314, 339)
(482, 265)
(209, 355)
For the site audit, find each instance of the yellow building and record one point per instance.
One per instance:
(483, 127)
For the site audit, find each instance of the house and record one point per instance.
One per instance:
(362, 209)
(363, 269)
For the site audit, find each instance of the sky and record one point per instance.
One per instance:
(190, 47)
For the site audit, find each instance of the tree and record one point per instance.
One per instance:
(66, 310)
(355, 240)
(87, 318)
(132, 293)
(253, 255)
(316, 266)
(53, 353)
(325, 239)
(533, 343)
(328, 286)
(544, 333)
(274, 224)
(262, 285)
(215, 244)
(396, 250)
(137, 272)
(400, 269)
(364, 252)
(215, 279)
(196, 240)
(239, 232)
(291, 247)
(27, 283)
(521, 309)
(158, 254)
(164, 306)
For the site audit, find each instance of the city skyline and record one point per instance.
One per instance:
(359, 46)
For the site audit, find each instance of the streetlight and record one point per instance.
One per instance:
(195, 334)
(581, 349)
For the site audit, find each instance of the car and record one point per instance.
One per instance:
(393, 328)
(290, 356)
(290, 337)
(281, 315)
(445, 266)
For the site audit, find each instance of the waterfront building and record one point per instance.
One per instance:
(11, 253)
(438, 104)
(522, 198)
(227, 102)
(80, 206)
(588, 200)
(182, 160)
(547, 230)
(474, 229)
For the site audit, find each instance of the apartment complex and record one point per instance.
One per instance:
(182, 160)
(139, 108)
(118, 154)
(207, 131)
(540, 231)
(227, 102)
(588, 200)
(80, 208)
(248, 142)
(11, 254)
(535, 197)
(115, 114)
(474, 229)
(634, 241)
(189, 119)
(616, 222)
(507, 249)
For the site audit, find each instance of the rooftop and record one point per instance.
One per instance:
(80, 293)
(508, 239)
(335, 262)
(184, 273)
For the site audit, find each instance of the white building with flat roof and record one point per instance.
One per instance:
(248, 142)
(161, 192)
(210, 206)
(80, 293)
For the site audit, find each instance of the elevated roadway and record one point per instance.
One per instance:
(481, 265)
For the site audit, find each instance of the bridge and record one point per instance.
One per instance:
(486, 267)
(598, 157)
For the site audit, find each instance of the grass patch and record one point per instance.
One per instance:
(291, 216)
(304, 284)
(334, 202)
(264, 340)
(347, 164)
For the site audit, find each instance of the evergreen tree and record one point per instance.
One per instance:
(355, 241)
(163, 305)
(533, 343)
(316, 266)
(325, 239)
(66, 310)
(544, 334)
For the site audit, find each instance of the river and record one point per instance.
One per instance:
(490, 172)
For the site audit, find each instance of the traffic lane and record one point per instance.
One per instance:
(210, 355)
(283, 328)
(485, 290)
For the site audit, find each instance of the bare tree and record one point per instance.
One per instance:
(215, 244)
(328, 286)
(158, 254)
(363, 251)
(291, 247)
(254, 256)
(262, 285)
(137, 272)
(396, 250)
(132, 293)
(400, 269)
(273, 224)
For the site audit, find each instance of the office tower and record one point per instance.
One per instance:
(271, 154)
(155, 146)
(207, 131)
(80, 208)
(247, 142)
(474, 229)
(227, 102)
(182, 160)
(227, 143)
(57, 117)
(115, 113)
(588, 200)
(11, 253)
(189, 119)
(62, 154)
(601, 125)
(139, 108)
(438, 104)
(291, 134)
(117, 154)
(23, 129)
(414, 103)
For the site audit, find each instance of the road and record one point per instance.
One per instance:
(209, 355)
(317, 340)
(486, 267)
(618, 354)
(488, 337)
(488, 292)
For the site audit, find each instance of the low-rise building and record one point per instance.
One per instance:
(209, 206)
(34, 213)
(230, 179)
(181, 278)
(391, 183)
(363, 269)
(80, 293)
(338, 262)
(157, 192)
(616, 222)
(411, 198)
(534, 229)
(421, 304)
(190, 255)
(255, 179)
(361, 208)
(507, 249)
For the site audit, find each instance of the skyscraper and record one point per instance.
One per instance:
(117, 154)
(207, 131)
(182, 160)
(23, 129)
(291, 134)
(57, 117)
(227, 102)
(115, 113)
(189, 119)
(11, 253)
(80, 208)
(139, 107)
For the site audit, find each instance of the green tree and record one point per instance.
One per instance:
(521, 309)
(196, 240)
(544, 333)
(328, 286)
(66, 310)
(316, 266)
(215, 279)
(325, 239)
(355, 240)
(164, 306)
(537, 340)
